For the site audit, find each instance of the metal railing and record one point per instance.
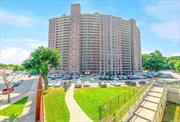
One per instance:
(115, 109)
(161, 105)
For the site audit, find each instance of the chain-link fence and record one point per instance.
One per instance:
(117, 107)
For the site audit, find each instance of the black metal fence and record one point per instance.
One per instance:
(117, 107)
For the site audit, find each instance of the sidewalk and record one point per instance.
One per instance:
(76, 113)
(28, 114)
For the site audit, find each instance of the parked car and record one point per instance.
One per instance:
(86, 84)
(16, 84)
(102, 84)
(128, 82)
(142, 82)
(166, 76)
(8, 90)
(51, 83)
(57, 84)
(115, 78)
(124, 77)
(115, 83)
(76, 76)
(78, 84)
(133, 84)
(53, 78)
(101, 78)
(59, 76)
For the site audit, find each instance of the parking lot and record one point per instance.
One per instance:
(58, 80)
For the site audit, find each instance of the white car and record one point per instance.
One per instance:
(51, 83)
(78, 84)
(86, 84)
(115, 83)
(57, 84)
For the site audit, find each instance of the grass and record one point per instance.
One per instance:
(172, 112)
(15, 108)
(55, 106)
(90, 99)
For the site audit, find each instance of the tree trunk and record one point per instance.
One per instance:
(46, 85)
(45, 81)
(9, 99)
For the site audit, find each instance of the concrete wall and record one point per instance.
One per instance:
(173, 95)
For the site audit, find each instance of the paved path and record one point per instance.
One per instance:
(146, 111)
(76, 113)
(28, 114)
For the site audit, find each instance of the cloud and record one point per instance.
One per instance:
(13, 55)
(168, 30)
(16, 54)
(33, 43)
(164, 9)
(176, 54)
(166, 14)
(146, 52)
(28, 43)
(18, 19)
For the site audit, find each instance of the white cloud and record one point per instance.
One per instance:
(168, 30)
(164, 9)
(146, 52)
(176, 54)
(17, 54)
(13, 55)
(18, 19)
(33, 43)
(167, 14)
(13, 18)
(27, 43)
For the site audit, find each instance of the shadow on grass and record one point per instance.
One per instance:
(15, 109)
(170, 112)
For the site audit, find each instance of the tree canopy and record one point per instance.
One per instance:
(15, 67)
(156, 61)
(43, 60)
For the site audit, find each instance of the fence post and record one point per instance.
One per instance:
(100, 114)
(118, 102)
(110, 109)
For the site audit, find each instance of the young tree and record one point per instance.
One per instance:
(43, 59)
(7, 75)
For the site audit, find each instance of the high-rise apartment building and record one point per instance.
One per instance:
(96, 43)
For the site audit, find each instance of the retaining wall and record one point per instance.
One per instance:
(173, 95)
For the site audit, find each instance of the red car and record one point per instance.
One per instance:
(8, 90)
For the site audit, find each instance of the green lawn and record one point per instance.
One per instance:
(172, 112)
(16, 108)
(55, 106)
(90, 99)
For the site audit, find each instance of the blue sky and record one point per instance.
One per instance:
(24, 23)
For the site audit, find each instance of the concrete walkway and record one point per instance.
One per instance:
(76, 113)
(148, 107)
(28, 114)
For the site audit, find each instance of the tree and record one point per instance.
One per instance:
(177, 66)
(43, 59)
(174, 62)
(145, 61)
(154, 61)
(13, 66)
(7, 75)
